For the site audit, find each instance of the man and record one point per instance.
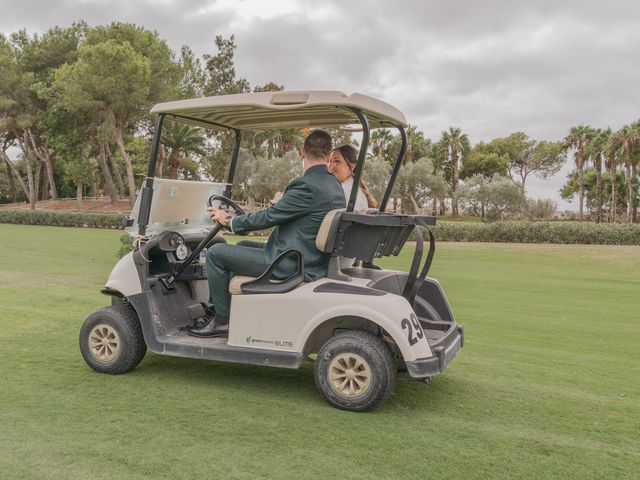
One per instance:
(297, 218)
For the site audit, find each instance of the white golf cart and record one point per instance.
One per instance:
(360, 324)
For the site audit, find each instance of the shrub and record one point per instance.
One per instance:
(541, 209)
(62, 219)
(126, 245)
(539, 232)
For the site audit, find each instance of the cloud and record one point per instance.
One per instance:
(490, 67)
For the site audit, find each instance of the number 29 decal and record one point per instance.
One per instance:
(414, 329)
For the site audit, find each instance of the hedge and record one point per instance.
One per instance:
(505, 232)
(539, 232)
(23, 216)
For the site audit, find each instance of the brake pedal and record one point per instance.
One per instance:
(196, 311)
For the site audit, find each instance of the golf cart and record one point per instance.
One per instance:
(360, 324)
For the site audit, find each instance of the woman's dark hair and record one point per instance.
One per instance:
(350, 154)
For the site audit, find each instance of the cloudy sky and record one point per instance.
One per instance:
(490, 67)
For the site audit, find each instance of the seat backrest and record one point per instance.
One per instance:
(328, 230)
(366, 236)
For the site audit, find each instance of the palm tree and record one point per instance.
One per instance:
(596, 150)
(578, 138)
(629, 138)
(181, 140)
(290, 139)
(278, 142)
(380, 141)
(453, 144)
(611, 156)
(417, 144)
(636, 156)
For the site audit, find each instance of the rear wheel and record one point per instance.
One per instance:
(355, 371)
(111, 340)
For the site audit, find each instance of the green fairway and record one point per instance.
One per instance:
(545, 387)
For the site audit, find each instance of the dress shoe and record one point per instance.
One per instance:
(218, 326)
(209, 310)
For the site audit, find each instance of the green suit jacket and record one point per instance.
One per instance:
(297, 218)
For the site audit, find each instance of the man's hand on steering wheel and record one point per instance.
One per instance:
(220, 216)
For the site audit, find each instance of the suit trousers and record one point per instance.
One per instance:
(225, 261)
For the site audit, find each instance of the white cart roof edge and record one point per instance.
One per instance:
(283, 109)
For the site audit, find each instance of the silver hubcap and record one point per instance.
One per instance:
(349, 375)
(104, 342)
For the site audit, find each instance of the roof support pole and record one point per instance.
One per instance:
(146, 192)
(357, 174)
(233, 164)
(396, 169)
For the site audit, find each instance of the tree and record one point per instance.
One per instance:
(273, 175)
(193, 77)
(486, 159)
(614, 188)
(26, 64)
(418, 146)
(182, 141)
(78, 171)
(377, 173)
(504, 198)
(474, 193)
(220, 70)
(629, 148)
(8, 109)
(121, 71)
(528, 157)
(595, 151)
(220, 79)
(611, 154)
(112, 80)
(165, 73)
(36, 59)
(380, 142)
(454, 144)
(497, 196)
(417, 183)
(578, 138)
(13, 176)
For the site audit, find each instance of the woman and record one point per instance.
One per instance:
(343, 162)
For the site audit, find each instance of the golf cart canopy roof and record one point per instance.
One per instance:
(276, 110)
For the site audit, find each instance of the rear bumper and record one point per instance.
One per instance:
(442, 356)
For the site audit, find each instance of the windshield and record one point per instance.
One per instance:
(177, 205)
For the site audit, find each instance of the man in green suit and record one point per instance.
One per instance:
(297, 218)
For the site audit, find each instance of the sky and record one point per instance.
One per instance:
(490, 67)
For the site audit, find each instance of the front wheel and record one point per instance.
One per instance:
(355, 371)
(111, 340)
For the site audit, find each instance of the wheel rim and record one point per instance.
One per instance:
(104, 342)
(349, 375)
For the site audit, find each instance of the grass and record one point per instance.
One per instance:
(546, 386)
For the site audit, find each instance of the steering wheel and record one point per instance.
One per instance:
(169, 280)
(237, 210)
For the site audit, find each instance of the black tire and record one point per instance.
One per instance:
(111, 340)
(378, 362)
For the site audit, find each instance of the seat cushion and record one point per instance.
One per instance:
(236, 283)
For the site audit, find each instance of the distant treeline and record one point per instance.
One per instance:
(74, 102)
